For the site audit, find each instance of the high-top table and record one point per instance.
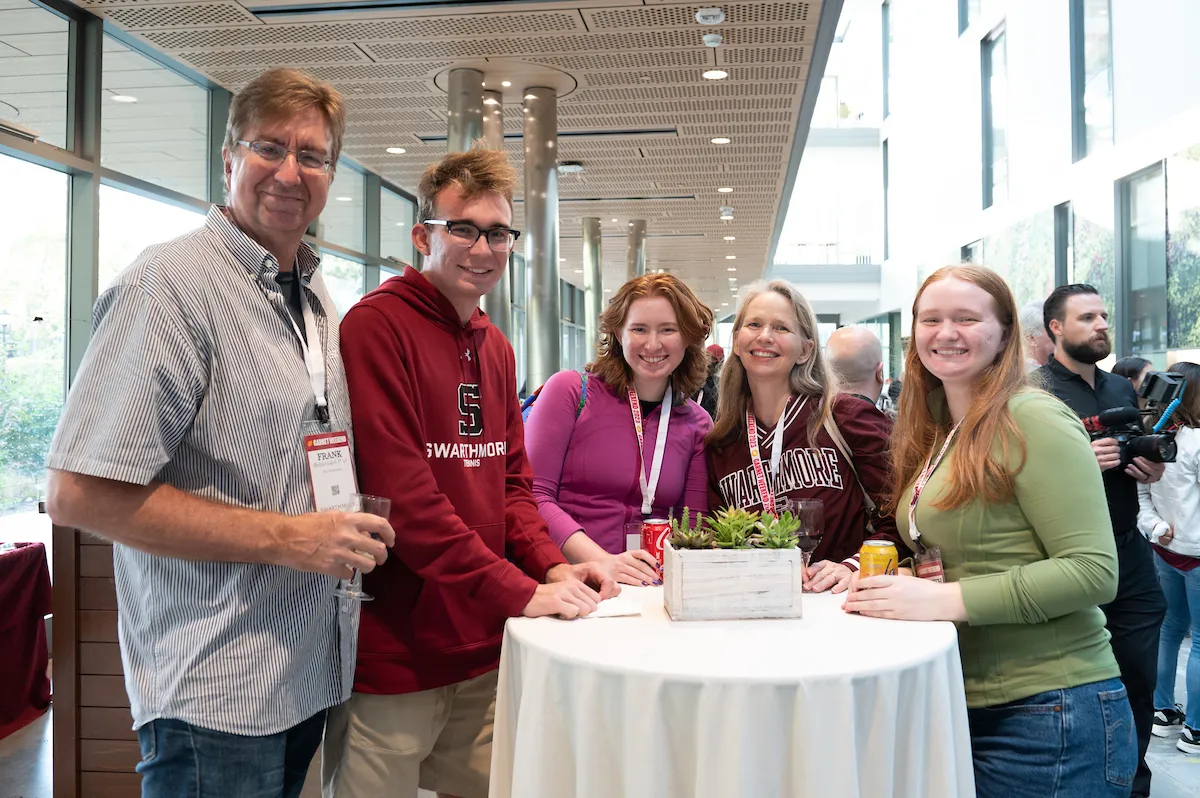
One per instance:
(24, 602)
(830, 706)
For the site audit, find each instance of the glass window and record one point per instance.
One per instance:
(33, 72)
(395, 226)
(155, 122)
(995, 119)
(518, 344)
(1183, 250)
(131, 222)
(886, 204)
(968, 12)
(888, 36)
(343, 220)
(973, 253)
(1092, 32)
(1092, 242)
(1023, 254)
(345, 280)
(1146, 259)
(33, 271)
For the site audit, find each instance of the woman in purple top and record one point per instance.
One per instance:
(586, 460)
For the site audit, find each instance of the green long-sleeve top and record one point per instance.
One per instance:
(1033, 570)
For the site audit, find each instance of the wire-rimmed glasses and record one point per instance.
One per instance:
(275, 153)
(465, 234)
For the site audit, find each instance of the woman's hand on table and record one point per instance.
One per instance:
(906, 598)
(825, 575)
(635, 567)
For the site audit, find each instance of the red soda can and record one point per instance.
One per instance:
(655, 532)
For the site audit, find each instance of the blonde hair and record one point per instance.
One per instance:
(695, 322)
(477, 171)
(813, 377)
(279, 94)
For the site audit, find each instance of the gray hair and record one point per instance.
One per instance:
(1031, 319)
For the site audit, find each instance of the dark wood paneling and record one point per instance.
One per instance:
(111, 785)
(98, 723)
(65, 652)
(97, 594)
(113, 756)
(96, 559)
(97, 626)
(100, 658)
(102, 691)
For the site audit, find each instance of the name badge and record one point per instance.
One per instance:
(929, 564)
(330, 469)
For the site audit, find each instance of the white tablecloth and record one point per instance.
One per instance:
(831, 706)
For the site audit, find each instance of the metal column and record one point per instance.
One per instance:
(636, 260)
(541, 234)
(593, 281)
(497, 303)
(464, 109)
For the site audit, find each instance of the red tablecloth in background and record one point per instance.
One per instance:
(24, 601)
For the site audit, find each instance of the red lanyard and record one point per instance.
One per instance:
(650, 487)
(764, 491)
(922, 480)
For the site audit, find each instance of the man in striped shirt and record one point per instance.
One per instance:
(181, 442)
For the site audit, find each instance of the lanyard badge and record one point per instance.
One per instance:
(650, 487)
(770, 505)
(330, 466)
(314, 354)
(928, 559)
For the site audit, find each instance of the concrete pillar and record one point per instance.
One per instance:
(635, 265)
(593, 281)
(541, 234)
(497, 303)
(464, 109)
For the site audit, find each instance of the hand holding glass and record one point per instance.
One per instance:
(362, 503)
(811, 514)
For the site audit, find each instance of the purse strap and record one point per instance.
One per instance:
(832, 428)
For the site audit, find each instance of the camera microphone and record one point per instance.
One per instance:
(1113, 417)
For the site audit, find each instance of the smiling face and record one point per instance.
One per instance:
(958, 334)
(275, 203)
(463, 274)
(651, 342)
(769, 342)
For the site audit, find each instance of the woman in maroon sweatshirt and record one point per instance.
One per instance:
(777, 382)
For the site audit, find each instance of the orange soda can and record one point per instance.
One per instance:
(877, 558)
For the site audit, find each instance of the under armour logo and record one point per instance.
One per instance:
(467, 354)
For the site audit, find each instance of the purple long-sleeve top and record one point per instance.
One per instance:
(585, 469)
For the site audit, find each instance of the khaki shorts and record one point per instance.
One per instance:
(386, 746)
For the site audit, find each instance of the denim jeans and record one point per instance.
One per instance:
(1182, 590)
(180, 760)
(1073, 743)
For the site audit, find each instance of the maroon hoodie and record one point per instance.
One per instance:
(438, 429)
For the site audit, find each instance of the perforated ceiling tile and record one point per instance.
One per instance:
(626, 60)
(705, 91)
(684, 16)
(180, 16)
(759, 55)
(691, 77)
(271, 58)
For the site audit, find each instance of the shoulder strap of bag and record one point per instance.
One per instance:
(583, 381)
(832, 428)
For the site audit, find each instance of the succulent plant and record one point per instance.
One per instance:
(731, 528)
(685, 536)
(777, 533)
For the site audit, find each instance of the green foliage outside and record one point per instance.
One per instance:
(30, 403)
(1183, 250)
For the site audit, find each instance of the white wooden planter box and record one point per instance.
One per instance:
(731, 584)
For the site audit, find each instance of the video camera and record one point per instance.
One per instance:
(1159, 389)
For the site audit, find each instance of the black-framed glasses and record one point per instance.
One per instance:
(275, 153)
(465, 234)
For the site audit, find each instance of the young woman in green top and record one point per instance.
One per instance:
(999, 480)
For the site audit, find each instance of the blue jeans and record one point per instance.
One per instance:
(1072, 743)
(180, 760)
(1182, 591)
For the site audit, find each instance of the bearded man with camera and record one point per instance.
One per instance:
(1077, 322)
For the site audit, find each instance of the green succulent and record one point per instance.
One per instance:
(685, 536)
(732, 528)
(777, 533)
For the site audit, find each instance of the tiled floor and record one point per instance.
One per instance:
(25, 761)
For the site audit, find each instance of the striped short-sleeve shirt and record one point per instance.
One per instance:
(195, 377)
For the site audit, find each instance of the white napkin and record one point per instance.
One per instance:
(616, 607)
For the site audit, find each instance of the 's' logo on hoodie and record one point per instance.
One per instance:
(470, 425)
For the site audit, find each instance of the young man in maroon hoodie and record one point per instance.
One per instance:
(434, 404)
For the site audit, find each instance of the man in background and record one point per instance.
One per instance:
(1038, 346)
(857, 357)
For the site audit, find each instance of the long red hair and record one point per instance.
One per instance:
(988, 435)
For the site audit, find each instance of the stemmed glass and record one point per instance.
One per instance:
(811, 515)
(362, 503)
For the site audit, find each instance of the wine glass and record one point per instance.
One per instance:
(362, 503)
(811, 515)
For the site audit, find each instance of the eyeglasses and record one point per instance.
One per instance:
(269, 151)
(465, 234)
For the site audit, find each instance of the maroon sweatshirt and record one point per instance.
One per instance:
(438, 429)
(815, 472)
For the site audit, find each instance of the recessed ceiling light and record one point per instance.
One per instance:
(608, 290)
(724, 190)
(614, 220)
(400, 224)
(726, 218)
(344, 199)
(720, 140)
(731, 238)
(731, 257)
(396, 150)
(579, 271)
(124, 98)
(562, 260)
(732, 269)
(506, 83)
(724, 304)
(715, 74)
